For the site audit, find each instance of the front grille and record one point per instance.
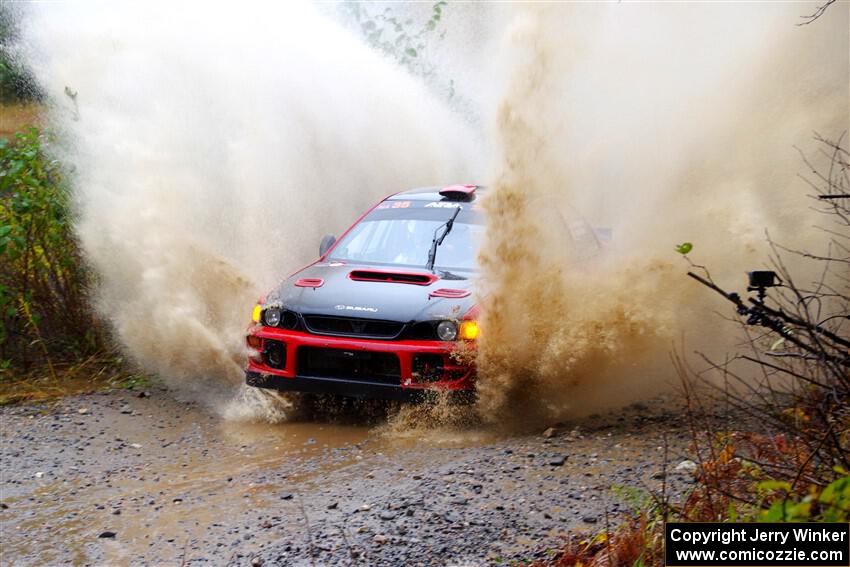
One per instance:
(425, 331)
(382, 367)
(353, 327)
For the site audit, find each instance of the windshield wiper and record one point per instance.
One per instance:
(432, 254)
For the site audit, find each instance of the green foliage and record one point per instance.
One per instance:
(401, 39)
(16, 82)
(831, 505)
(788, 511)
(637, 499)
(136, 382)
(835, 501)
(684, 248)
(42, 282)
(407, 33)
(772, 485)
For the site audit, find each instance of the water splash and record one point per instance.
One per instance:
(209, 164)
(641, 118)
(213, 149)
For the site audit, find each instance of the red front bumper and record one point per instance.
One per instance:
(408, 384)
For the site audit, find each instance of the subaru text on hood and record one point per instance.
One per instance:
(386, 311)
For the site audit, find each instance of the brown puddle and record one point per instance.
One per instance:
(161, 474)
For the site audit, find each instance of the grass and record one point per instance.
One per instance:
(43, 384)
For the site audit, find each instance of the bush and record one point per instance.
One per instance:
(795, 468)
(17, 83)
(43, 305)
(797, 342)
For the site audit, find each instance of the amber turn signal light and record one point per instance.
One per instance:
(469, 330)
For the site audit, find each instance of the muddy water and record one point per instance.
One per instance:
(177, 485)
(155, 471)
(149, 470)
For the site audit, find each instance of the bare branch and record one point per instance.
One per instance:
(817, 13)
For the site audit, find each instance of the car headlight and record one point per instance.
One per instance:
(469, 330)
(447, 330)
(272, 316)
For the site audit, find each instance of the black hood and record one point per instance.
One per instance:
(341, 296)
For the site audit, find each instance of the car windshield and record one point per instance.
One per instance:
(400, 233)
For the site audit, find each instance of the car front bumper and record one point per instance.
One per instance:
(404, 382)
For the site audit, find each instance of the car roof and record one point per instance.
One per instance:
(427, 194)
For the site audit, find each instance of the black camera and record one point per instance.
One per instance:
(762, 278)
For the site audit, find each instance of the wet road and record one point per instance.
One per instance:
(113, 479)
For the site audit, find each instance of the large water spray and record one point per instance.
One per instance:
(213, 148)
(664, 123)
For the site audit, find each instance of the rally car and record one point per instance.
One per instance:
(386, 309)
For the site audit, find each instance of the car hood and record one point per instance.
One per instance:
(341, 296)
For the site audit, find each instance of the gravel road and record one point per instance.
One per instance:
(116, 479)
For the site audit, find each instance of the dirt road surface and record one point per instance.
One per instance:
(115, 479)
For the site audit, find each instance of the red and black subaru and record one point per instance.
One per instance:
(383, 310)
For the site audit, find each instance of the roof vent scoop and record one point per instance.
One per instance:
(458, 192)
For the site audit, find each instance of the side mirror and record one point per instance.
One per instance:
(327, 241)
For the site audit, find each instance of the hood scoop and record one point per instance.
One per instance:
(392, 277)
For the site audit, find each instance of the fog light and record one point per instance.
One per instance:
(272, 316)
(447, 330)
(275, 354)
(469, 330)
(427, 367)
